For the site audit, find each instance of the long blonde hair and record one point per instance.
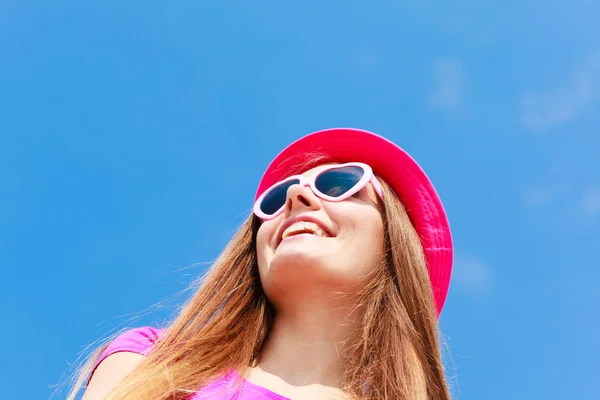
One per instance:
(393, 354)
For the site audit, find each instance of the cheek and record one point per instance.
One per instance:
(378, 241)
(264, 250)
(367, 238)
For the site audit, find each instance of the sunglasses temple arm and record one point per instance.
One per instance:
(377, 186)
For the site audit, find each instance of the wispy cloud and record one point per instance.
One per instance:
(566, 198)
(449, 85)
(559, 105)
(590, 201)
(544, 194)
(540, 195)
(471, 275)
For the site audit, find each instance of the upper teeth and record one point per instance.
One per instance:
(301, 227)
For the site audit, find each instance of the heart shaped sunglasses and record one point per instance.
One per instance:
(334, 183)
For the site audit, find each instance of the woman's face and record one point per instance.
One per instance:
(316, 244)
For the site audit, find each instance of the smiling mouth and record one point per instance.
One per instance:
(304, 227)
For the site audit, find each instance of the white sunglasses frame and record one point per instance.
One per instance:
(368, 177)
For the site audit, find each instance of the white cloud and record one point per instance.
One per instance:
(471, 275)
(590, 201)
(448, 91)
(541, 111)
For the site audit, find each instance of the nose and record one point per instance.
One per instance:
(299, 197)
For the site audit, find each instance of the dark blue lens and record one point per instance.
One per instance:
(276, 197)
(337, 181)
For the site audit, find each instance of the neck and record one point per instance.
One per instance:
(306, 344)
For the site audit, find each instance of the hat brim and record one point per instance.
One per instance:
(402, 174)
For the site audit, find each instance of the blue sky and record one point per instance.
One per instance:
(120, 121)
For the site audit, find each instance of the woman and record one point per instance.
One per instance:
(330, 290)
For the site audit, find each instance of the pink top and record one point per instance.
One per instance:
(140, 341)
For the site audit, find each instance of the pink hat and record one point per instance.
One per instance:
(400, 171)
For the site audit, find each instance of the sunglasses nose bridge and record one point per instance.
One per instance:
(301, 193)
(303, 183)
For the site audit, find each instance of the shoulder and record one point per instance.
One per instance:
(119, 358)
(138, 340)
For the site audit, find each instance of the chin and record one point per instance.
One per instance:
(294, 267)
(304, 248)
(291, 256)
